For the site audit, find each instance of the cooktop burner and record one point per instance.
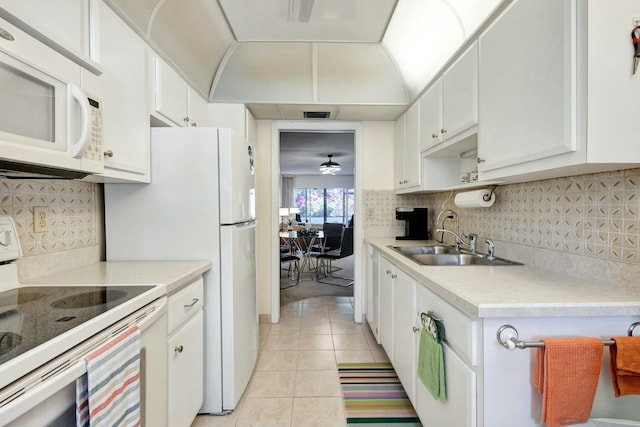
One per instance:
(32, 315)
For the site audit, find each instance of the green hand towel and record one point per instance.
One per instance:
(431, 366)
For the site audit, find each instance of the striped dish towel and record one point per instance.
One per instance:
(109, 395)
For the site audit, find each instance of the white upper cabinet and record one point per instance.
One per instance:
(197, 109)
(171, 94)
(234, 116)
(611, 83)
(528, 100)
(460, 96)
(431, 116)
(557, 94)
(449, 109)
(408, 161)
(123, 86)
(68, 26)
(175, 100)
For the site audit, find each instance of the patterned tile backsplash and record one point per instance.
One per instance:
(594, 215)
(72, 207)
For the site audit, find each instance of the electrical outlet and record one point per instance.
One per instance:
(40, 219)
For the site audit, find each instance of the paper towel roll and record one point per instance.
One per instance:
(475, 199)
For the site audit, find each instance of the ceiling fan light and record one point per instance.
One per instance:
(329, 167)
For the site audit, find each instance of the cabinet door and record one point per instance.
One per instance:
(385, 329)
(226, 115)
(373, 261)
(66, 22)
(198, 114)
(460, 94)
(186, 357)
(171, 95)
(125, 117)
(404, 341)
(459, 409)
(412, 159)
(399, 152)
(527, 106)
(431, 117)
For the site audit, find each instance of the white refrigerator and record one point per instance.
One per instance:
(200, 205)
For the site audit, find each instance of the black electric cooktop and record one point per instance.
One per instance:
(32, 315)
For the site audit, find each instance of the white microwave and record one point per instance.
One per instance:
(46, 122)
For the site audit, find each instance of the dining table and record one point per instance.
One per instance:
(301, 242)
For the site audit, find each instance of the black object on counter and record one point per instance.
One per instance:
(416, 223)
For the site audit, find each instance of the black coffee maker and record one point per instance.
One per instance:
(416, 222)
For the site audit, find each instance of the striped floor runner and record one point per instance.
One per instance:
(373, 396)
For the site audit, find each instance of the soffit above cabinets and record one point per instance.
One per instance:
(325, 73)
(309, 20)
(364, 57)
(269, 111)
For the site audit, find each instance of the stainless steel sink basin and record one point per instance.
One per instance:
(448, 255)
(459, 259)
(431, 249)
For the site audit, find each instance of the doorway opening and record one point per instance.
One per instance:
(317, 206)
(354, 190)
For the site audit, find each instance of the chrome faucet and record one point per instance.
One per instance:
(473, 239)
(448, 214)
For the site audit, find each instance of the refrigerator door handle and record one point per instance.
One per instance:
(245, 224)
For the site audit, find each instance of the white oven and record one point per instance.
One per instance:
(47, 330)
(45, 118)
(46, 396)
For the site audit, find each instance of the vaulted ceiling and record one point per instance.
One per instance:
(361, 59)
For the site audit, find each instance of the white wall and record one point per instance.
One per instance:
(324, 181)
(264, 224)
(378, 155)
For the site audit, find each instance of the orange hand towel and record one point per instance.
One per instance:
(567, 374)
(625, 365)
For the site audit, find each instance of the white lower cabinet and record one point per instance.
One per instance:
(185, 352)
(460, 407)
(185, 348)
(372, 289)
(385, 313)
(486, 384)
(401, 300)
(404, 342)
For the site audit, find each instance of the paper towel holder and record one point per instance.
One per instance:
(487, 197)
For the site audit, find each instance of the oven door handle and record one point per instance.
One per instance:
(28, 399)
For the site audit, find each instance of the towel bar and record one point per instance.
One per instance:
(507, 336)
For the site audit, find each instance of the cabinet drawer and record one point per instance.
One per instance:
(460, 331)
(184, 303)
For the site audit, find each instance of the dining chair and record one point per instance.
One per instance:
(325, 268)
(293, 267)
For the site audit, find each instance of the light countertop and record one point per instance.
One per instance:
(172, 275)
(513, 291)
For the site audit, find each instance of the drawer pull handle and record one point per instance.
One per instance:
(195, 301)
(178, 349)
(416, 330)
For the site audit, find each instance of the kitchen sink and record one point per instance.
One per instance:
(448, 255)
(419, 250)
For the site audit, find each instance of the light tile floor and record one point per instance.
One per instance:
(295, 383)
